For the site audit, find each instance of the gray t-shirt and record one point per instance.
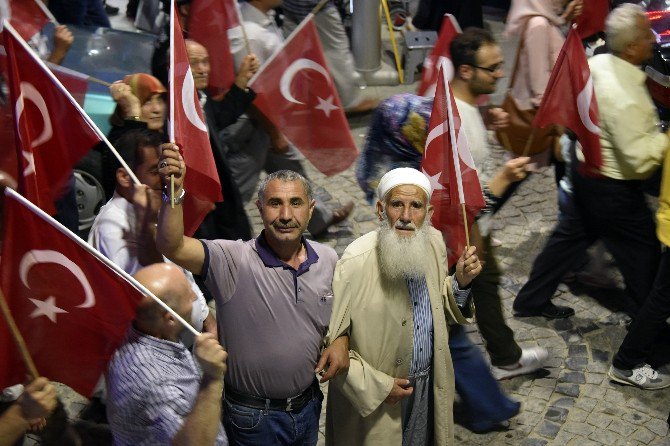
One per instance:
(271, 318)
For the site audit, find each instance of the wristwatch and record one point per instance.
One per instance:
(177, 200)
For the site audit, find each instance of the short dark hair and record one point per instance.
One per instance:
(284, 176)
(128, 146)
(464, 47)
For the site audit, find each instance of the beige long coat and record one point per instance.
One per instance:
(378, 316)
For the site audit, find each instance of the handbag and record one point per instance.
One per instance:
(516, 137)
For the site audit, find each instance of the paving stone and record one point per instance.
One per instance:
(595, 378)
(577, 415)
(576, 363)
(605, 436)
(643, 435)
(582, 429)
(635, 418)
(565, 402)
(621, 427)
(556, 414)
(599, 420)
(548, 429)
(578, 441)
(541, 392)
(600, 355)
(577, 350)
(568, 389)
(659, 427)
(534, 442)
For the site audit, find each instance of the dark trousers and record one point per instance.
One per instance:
(558, 256)
(637, 344)
(80, 12)
(484, 404)
(614, 211)
(499, 338)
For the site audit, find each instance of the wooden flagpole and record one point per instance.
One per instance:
(529, 141)
(465, 224)
(18, 338)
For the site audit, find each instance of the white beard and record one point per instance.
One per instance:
(402, 256)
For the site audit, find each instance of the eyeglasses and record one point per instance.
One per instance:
(492, 69)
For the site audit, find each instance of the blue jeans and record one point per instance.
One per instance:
(483, 401)
(247, 426)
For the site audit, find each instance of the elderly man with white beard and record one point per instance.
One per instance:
(395, 300)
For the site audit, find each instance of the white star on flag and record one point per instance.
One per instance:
(326, 105)
(46, 308)
(434, 180)
(30, 159)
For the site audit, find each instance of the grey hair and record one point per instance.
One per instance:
(621, 26)
(284, 176)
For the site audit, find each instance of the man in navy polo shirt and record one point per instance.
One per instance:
(273, 298)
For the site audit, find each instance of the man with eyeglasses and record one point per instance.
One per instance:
(478, 65)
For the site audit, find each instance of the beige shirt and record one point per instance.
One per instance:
(378, 316)
(632, 144)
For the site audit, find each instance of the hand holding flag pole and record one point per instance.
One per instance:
(60, 86)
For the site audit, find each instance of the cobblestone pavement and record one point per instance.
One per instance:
(569, 402)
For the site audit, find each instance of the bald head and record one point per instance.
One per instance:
(167, 282)
(198, 58)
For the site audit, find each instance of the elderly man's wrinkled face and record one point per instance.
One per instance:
(405, 208)
(198, 58)
(404, 239)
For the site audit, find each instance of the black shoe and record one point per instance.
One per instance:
(111, 10)
(551, 311)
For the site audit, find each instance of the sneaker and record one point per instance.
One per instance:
(530, 361)
(644, 377)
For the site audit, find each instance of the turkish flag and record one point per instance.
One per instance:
(569, 100)
(441, 55)
(75, 83)
(209, 22)
(187, 129)
(28, 17)
(72, 309)
(451, 171)
(296, 92)
(592, 18)
(53, 130)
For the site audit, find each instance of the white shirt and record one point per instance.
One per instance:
(113, 234)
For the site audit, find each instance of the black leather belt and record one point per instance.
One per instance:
(286, 404)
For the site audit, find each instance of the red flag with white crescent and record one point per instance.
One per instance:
(295, 90)
(47, 149)
(439, 56)
(448, 164)
(209, 22)
(187, 128)
(28, 17)
(569, 100)
(72, 309)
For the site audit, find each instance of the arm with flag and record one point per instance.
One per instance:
(569, 100)
(447, 162)
(61, 292)
(187, 128)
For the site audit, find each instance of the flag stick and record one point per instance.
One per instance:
(18, 338)
(172, 191)
(47, 13)
(396, 55)
(465, 225)
(98, 255)
(247, 47)
(171, 93)
(95, 80)
(319, 6)
(74, 103)
(529, 141)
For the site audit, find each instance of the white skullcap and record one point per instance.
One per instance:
(400, 176)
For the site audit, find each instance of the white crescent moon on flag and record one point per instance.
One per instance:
(584, 104)
(188, 101)
(292, 70)
(36, 256)
(464, 149)
(28, 91)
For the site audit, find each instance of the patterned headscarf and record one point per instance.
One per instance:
(144, 86)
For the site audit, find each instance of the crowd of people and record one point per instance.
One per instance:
(383, 323)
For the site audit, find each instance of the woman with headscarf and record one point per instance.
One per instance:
(540, 21)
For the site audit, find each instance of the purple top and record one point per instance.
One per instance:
(271, 317)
